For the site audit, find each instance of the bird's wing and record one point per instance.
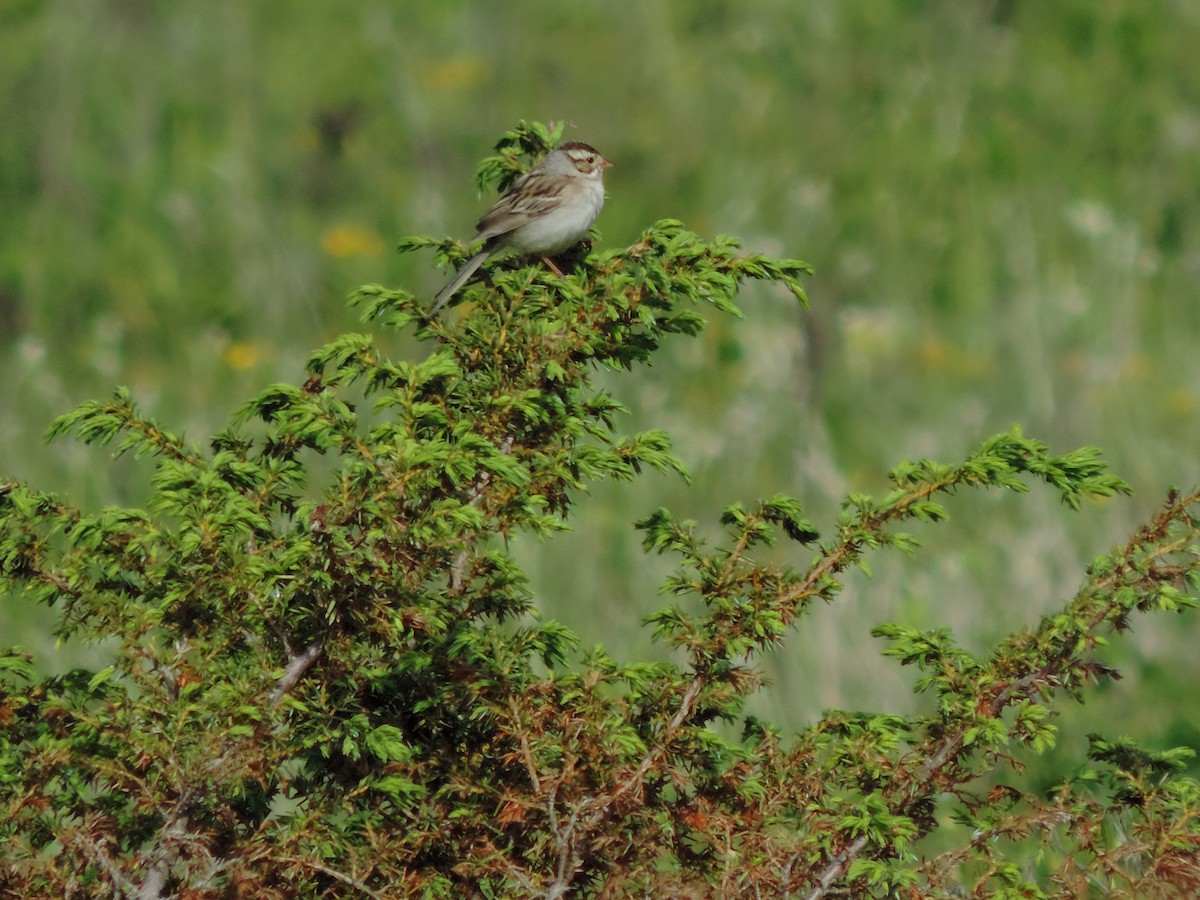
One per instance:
(528, 198)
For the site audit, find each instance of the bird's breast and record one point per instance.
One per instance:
(558, 229)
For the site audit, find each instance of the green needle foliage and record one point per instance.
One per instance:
(328, 680)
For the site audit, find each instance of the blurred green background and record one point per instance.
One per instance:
(1000, 200)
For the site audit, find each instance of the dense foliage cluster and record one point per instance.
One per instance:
(328, 680)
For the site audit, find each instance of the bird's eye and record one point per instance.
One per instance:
(591, 159)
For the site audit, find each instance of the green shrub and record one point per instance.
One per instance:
(330, 681)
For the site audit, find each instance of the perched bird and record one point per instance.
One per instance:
(546, 210)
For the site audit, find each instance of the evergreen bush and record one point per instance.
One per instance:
(328, 677)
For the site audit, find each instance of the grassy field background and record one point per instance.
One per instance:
(1000, 200)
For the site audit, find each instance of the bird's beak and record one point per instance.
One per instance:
(606, 165)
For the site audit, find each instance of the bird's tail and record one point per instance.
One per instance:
(457, 281)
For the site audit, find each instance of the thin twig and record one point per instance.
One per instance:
(458, 569)
(172, 836)
(296, 668)
(335, 874)
(526, 751)
(837, 868)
